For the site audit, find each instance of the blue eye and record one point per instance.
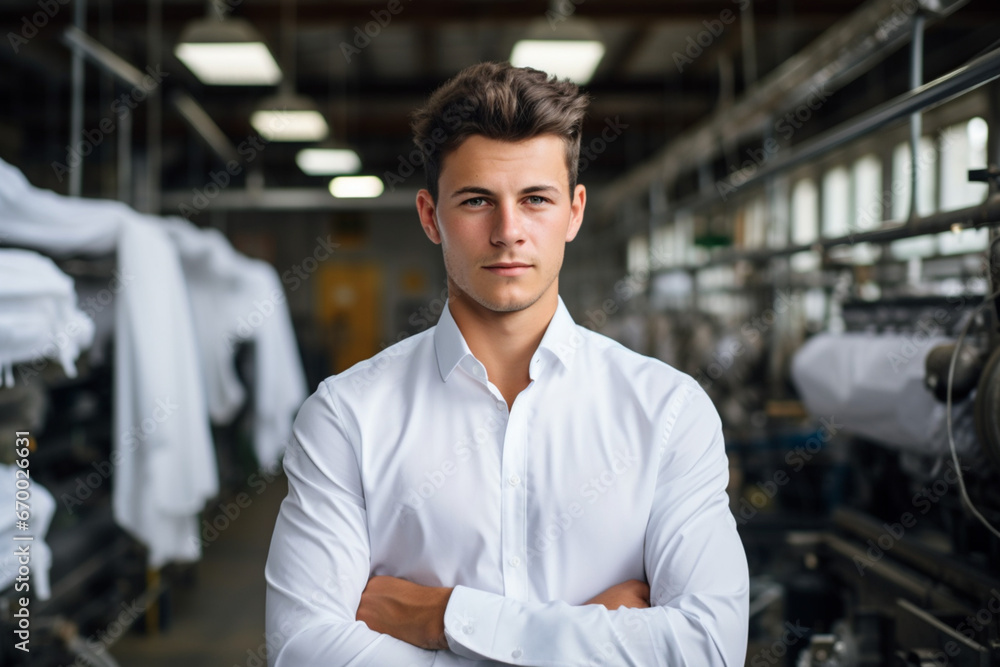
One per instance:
(539, 199)
(474, 199)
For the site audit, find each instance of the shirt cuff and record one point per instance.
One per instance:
(471, 621)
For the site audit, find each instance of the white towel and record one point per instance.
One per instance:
(39, 317)
(165, 462)
(235, 298)
(41, 508)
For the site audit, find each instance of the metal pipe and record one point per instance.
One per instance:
(916, 125)
(154, 118)
(125, 159)
(979, 71)
(920, 588)
(939, 567)
(981, 215)
(76, 112)
(749, 38)
(204, 126)
(289, 199)
(85, 45)
(993, 254)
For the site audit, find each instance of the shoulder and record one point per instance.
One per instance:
(644, 385)
(645, 374)
(383, 372)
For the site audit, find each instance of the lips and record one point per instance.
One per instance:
(508, 268)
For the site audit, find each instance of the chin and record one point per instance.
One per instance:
(504, 301)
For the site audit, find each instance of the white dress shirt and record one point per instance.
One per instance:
(609, 466)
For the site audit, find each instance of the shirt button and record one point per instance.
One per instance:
(501, 405)
(516, 653)
(513, 480)
(515, 561)
(469, 629)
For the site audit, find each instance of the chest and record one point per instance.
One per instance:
(487, 487)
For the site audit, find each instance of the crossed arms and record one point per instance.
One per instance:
(322, 609)
(415, 614)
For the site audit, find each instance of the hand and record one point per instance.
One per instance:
(405, 610)
(632, 593)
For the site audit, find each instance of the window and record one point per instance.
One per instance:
(963, 147)
(866, 182)
(805, 223)
(662, 251)
(901, 179)
(836, 202)
(638, 255)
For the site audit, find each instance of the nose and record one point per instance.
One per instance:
(508, 227)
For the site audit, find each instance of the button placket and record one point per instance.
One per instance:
(514, 514)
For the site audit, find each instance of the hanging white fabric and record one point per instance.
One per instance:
(235, 298)
(165, 466)
(39, 317)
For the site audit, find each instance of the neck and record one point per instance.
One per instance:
(503, 342)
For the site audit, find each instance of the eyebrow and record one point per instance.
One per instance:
(476, 190)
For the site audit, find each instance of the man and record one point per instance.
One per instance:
(506, 487)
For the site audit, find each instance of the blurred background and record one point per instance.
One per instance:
(208, 207)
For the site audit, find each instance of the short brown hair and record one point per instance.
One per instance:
(501, 102)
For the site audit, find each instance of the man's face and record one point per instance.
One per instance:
(503, 217)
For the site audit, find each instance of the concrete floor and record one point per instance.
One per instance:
(219, 620)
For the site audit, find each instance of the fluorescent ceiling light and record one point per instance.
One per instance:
(573, 59)
(290, 125)
(246, 64)
(356, 186)
(288, 117)
(227, 53)
(327, 161)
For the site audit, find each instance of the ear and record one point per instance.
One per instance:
(428, 215)
(576, 212)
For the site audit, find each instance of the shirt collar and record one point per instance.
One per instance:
(561, 340)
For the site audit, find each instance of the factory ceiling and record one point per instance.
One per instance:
(667, 65)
